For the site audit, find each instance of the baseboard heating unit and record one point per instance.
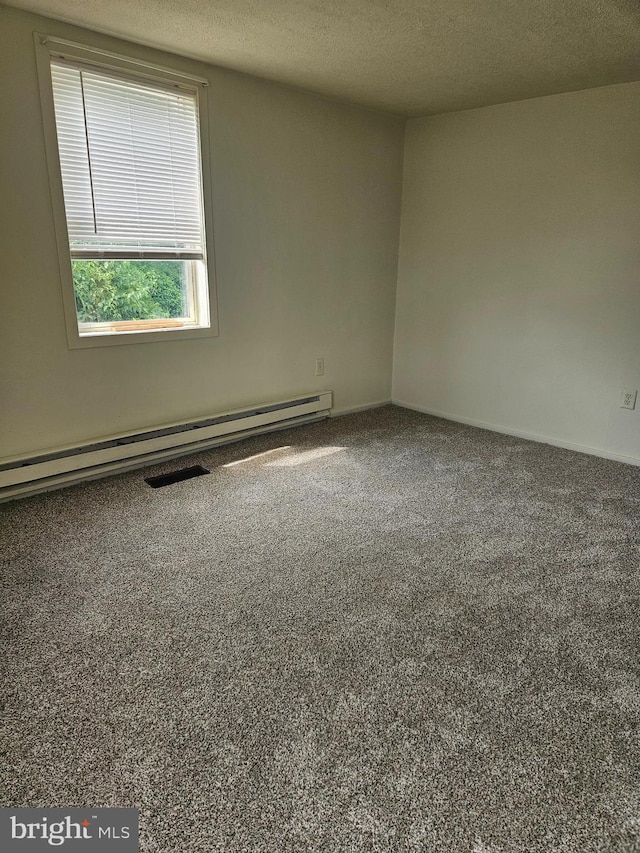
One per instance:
(63, 466)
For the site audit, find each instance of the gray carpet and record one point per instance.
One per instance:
(426, 640)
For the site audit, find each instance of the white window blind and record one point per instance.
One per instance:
(130, 161)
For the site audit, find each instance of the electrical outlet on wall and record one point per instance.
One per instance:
(319, 366)
(628, 399)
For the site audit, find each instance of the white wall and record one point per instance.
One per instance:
(518, 301)
(307, 202)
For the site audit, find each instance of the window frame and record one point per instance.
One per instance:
(128, 331)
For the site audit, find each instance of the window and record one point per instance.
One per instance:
(128, 188)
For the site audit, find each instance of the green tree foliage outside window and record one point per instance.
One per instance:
(109, 291)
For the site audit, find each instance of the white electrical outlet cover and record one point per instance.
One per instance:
(629, 398)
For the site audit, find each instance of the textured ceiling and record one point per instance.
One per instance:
(407, 56)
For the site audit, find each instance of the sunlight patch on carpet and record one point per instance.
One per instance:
(257, 456)
(306, 456)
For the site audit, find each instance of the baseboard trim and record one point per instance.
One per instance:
(338, 413)
(530, 436)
